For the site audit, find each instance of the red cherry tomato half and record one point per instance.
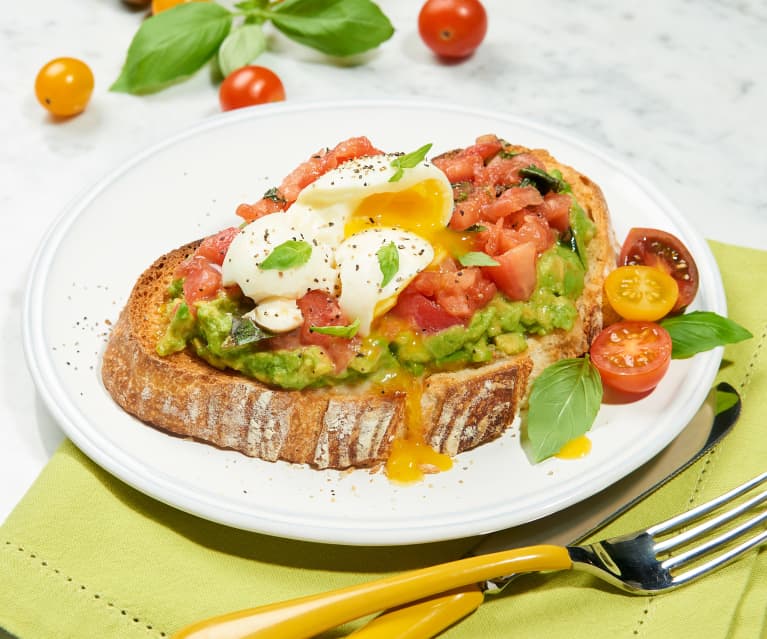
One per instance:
(660, 249)
(248, 86)
(632, 356)
(452, 28)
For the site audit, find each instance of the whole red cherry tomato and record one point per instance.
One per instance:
(250, 85)
(452, 28)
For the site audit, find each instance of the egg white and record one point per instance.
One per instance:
(343, 216)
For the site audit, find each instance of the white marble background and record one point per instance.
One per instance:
(677, 88)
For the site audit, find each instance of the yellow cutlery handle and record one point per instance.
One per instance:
(308, 616)
(425, 618)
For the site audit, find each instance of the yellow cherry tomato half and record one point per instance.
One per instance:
(64, 86)
(159, 6)
(641, 293)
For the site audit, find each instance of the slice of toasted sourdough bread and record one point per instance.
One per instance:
(342, 426)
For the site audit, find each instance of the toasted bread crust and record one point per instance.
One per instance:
(337, 427)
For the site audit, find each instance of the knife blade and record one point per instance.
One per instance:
(428, 617)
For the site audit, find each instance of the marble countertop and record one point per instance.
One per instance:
(676, 89)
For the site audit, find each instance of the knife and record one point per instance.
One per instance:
(428, 617)
(307, 616)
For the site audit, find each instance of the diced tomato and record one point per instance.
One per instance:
(458, 292)
(202, 280)
(505, 170)
(515, 275)
(459, 166)
(423, 313)
(556, 209)
(264, 206)
(468, 212)
(500, 237)
(319, 308)
(214, 248)
(306, 173)
(511, 201)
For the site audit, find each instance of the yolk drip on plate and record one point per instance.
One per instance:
(575, 448)
(411, 457)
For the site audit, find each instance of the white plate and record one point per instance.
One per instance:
(189, 186)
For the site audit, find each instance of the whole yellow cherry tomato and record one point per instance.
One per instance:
(641, 292)
(64, 86)
(162, 5)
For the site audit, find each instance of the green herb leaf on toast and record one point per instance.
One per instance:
(388, 262)
(289, 254)
(477, 258)
(408, 161)
(348, 331)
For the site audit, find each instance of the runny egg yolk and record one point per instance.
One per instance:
(419, 209)
(411, 456)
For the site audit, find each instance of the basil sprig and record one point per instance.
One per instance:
(388, 262)
(244, 331)
(564, 401)
(176, 43)
(477, 258)
(700, 331)
(289, 254)
(408, 161)
(347, 331)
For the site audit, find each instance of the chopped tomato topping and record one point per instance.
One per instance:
(556, 209)
(469, 209)
(512, 200)
(319, 308)
(214, 248)
(505, 170)
(515, 274)
(202, 280)
(506, 234)
(423, 313)
(306, 173)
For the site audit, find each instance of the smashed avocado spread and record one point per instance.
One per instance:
(217, 333)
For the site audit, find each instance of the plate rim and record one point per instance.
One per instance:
(126, 468)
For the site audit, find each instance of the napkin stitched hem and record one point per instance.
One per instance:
(103, 603)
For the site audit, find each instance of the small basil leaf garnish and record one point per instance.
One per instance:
(274, 195)
(476, 228)
(348, 331)
(289, 254)
(477, 258)
(408, 161)
(543, 181)
(700, 331)
(244, 331)
(388, 262)
(564, 402)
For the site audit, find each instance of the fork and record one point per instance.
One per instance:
(645, 562)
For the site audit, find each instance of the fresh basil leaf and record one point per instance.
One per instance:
(241, 47)
(388, 261)
(564, 401)
(334, 27)
(543, 181)
(476, 228)
(582, 230)
(338, 331)
(244, 331)
(408, 161)
(700, 331)
(290, 254)
(173, 45)
(477, 258)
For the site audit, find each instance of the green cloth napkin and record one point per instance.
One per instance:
(84, 555)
